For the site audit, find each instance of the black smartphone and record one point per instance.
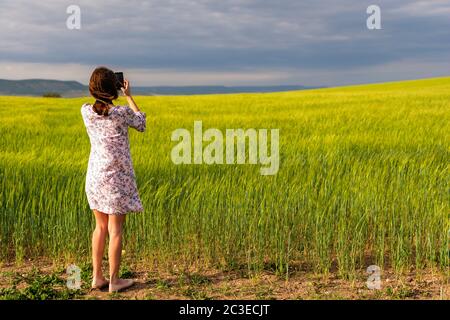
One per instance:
(120, 83)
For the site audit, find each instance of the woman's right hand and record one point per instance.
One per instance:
(126, 89)
(127, 92)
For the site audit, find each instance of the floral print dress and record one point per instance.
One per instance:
(110, 180)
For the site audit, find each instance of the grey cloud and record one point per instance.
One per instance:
(226, 35)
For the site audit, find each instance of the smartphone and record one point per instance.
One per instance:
(120, 83)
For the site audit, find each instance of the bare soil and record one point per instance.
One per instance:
(229, 285)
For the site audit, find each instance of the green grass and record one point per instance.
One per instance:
(38, 286)
(363, 179)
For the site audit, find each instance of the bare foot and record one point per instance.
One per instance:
(120, 284)
(99, 283)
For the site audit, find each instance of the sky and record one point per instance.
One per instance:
(227, 42)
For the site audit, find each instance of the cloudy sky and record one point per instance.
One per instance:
(227, 42)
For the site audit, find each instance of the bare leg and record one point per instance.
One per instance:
(115, 227)
(98, 247)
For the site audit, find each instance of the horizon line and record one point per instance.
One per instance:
(261, 86)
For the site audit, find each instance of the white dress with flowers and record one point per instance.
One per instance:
(110, 180)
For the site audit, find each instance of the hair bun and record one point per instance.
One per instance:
(101, 107)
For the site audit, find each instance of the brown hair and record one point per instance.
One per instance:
(102, 87)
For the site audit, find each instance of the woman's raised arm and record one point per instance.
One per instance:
(135, 118)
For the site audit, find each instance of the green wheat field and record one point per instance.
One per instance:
(363, 179)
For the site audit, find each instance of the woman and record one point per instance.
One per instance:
(110, 181)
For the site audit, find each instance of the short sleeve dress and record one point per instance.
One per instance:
(110, 180)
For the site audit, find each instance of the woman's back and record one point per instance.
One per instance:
(118, 119)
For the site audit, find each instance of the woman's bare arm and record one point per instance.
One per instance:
(127, 93)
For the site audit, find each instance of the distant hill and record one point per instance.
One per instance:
(38, 87)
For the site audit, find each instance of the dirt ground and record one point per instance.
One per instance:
(229, 285)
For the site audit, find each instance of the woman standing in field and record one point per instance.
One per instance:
(110, 181)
